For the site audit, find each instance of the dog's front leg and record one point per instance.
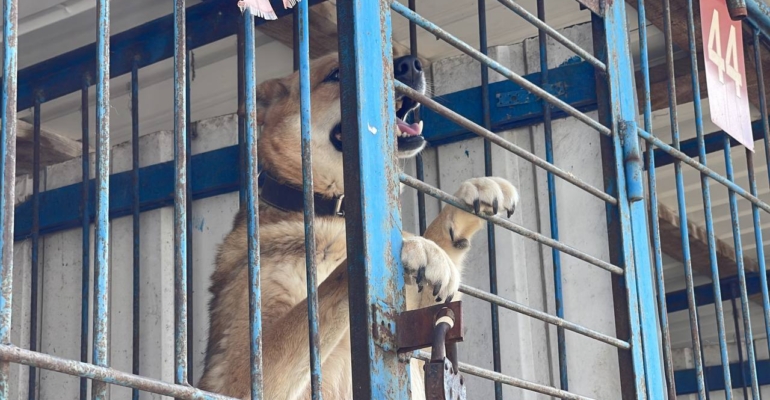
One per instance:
(286, 358)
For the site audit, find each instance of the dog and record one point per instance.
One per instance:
(433, 261)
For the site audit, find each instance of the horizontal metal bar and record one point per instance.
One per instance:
(685, 379)
(454, 201)
(148, 43)
(18, 355)
(479, 56)
(534, 20)
(545, 317)
(703, 169)
(508, 380)
(712, 141)
(498, 140)
(704, 294)
(512, 106)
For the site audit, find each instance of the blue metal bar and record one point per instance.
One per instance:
(752, 179)
(189, 214)
(416, 117)
(491, 240)
(496, 139)
(103, 375)
(150, 42)
(704, 294)
(85, 220)
(685, 379)
(703, 169)
(241, 113)
(136, 219)
(102, 240)
(467, 49)
(34, 270)
(705, 185)
(180, 194)
(540, 24)
(252, 205)
(759, 14)
(8, 180)
(737, 328)
(506, 224)
(749, 337)
(655, 223)
(303, 33)
(640, 283)
(552, 202)
(372, 220)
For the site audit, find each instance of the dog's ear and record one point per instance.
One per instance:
(268, 93)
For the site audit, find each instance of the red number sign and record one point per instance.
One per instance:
(725, 71)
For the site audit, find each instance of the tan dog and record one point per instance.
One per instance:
(434, 261)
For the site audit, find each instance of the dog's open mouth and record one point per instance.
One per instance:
(408, 137)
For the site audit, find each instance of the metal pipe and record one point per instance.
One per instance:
(419, 164)
(516, 78)
(498, 140)
(491, 240)
(302, 33)
(189, 213)
(102, 241)
(508, 380)
(85, 216)
(34, 267)
(454, 201)
(747, 330)
(552, 202)
(759, 14)
(252, 205)
(137, 287)
(103, 375)
(542, 316)
(241, 112)
(737, 9)
(540, 24)
(753, 182)
(180, 194)
(653, 199)
(737, 328)
(703, 169)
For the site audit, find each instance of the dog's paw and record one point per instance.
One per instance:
(489, 195)
(427, 264)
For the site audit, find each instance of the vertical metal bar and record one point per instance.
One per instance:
(705, 186)
(639, 280)
(652, 183)
(491, 240)
(102, 243)
(85, 215)
(373, 223)
(738, 340)
(552, 203)
(137, 282)
(252, 205)
(419, 163)
(8, 181)
(302, 34)
(180, 193)
(741, 271)
(295, 38)
(189, 220)
(241, 42)
(35, 244)
(753, 182)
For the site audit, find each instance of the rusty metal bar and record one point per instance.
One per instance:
(102, 375)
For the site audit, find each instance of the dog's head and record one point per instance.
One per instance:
(278, 102)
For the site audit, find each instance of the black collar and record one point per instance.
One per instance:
(289, 198)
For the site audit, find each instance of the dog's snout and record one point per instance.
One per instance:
(408, 69)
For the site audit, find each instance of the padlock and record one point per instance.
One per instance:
(442, 378)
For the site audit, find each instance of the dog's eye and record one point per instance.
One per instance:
(334, 76)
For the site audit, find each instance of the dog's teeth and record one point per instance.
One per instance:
(419, 124)
(398, 130)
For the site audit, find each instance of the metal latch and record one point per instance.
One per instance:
(439, 327)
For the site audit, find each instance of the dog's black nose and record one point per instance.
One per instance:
(407, 69)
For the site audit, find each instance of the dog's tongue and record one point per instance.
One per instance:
(411, 130)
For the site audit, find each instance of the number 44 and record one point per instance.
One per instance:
(729, 64)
